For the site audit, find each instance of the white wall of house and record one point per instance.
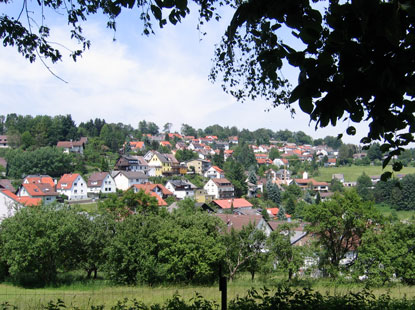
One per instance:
(107, 186)
(180, 194)
(124, 183)
(8, 206)
(78, 191)
(211, 189)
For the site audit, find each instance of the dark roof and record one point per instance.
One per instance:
(97, 177)
(6, 184)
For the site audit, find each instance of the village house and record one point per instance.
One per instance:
(7, 184)
(239, 221)
(10, 203)
(38, 186)
(181, 188)
(200, 166)
(153, 190)
(131, 163)
(73, 186)
(165, 164)
(100, 182)
(73, 146)
(219, 188)
(137, 146)
(232, 203)
(306, 183)
(214, 172)
(125, 179)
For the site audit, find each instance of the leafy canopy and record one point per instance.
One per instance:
(354, 57)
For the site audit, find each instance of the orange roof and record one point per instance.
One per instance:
(217, 169)
(263, 161)
(274, 212)
(137, 144)
(147, 187)
(228, 151)
(331, 160)
(40, 189)
(27, 201)
(236, 202)
(165, 143)
(40, 179)
(66, 181)
(160, 200)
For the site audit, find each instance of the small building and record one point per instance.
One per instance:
(214, 172)
(101, 182)
(181, 188)
(72, 146)
(220, 188)
(131, 163)
(125, 179)
(239, 221)
(234, 203)
(73, 186)
(200, 166)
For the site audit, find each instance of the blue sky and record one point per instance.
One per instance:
(161, 78)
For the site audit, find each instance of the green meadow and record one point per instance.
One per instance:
(351, 173)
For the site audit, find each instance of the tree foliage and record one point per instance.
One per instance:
(340, 224)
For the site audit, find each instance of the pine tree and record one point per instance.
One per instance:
(252, 177)
(281, 214)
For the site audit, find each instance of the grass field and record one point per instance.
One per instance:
(101, 293)
(353, 172)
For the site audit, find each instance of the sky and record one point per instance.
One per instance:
(159, 78)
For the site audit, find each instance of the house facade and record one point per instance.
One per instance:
(219, 188)
(125, 179)
(73, 186)
(214, 172)
(100, 182)
(181, 188)
(200, 165)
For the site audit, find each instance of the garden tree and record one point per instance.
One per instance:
(318, 198)
(218, 159)
(129, 202)
(185, 155)
(244, 155)
(388, 252)
(281, 215)
(346, 152)
(187, 130)
(387, 192)
(274, 153)
(234, 172)
(292, 190)
(334, 142)
(93, 127)
(336, 185)
(167, 127)
(407, 193)
(273, 192)
(243, 247)
(339, 224)
(290, 206)
(364, 187)
(286, 256)
(252, 177)
(26, 140)
(127, 145)
(95, 151)
(407, 157)
(148, 128)
(45, 160)
(165, 249)
(374, 152)
(301, 138)
(39, 241)
(317, 142)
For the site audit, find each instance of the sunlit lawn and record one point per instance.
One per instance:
(353, 172)
(102, 293)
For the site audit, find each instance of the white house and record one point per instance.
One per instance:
(10, 203)
(38, 186)
(219, 188)
(125, 179)
(214, 172)
(181, 188)
(100, 182)
(73, 186)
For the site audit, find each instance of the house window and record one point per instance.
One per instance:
(75, 191)
(75, 184)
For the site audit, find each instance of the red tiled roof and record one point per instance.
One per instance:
(236, 202)
(147, 187)
(217, 169)
(39, 189)
(27, 201)
(45, 179)
(274, 212)
(67, 179)
(137, 144)
(160, 200)
(69, 144)
(237, 222)
(165, 143)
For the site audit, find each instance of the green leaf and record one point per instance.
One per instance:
(306, 104)
(156, 12)
(386, 176)
(339, 136)
(351, 131)
(397, 166)
(386, 161)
